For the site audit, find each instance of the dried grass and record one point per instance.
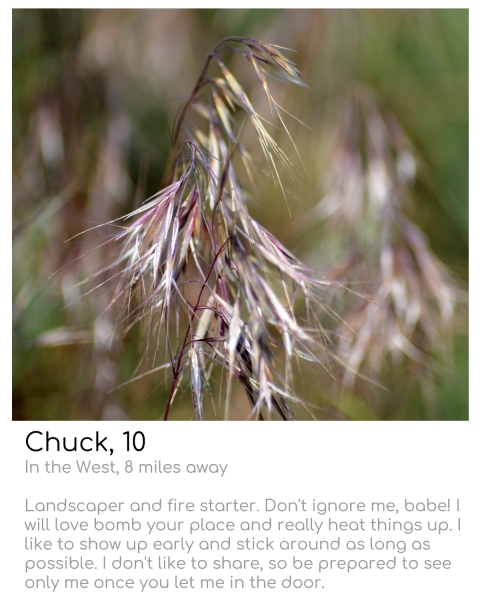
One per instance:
(407, 315)
(209, 284)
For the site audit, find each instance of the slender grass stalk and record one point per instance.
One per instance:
(211, 286)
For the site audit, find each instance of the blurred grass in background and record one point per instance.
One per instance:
(94, 98)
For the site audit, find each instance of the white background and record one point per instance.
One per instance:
(326, 461)
(329, 461)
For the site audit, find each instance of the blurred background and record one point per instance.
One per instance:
(95, 93)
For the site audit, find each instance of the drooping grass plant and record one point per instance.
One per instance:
(212, 288)
(405, 317)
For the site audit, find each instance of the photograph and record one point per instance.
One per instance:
(240, 214)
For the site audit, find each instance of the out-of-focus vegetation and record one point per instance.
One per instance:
(95, 94)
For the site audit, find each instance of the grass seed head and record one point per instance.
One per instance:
(212, 288)
(405, 309)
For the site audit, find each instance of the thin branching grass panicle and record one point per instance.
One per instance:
(220, 299)
(404, 312)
